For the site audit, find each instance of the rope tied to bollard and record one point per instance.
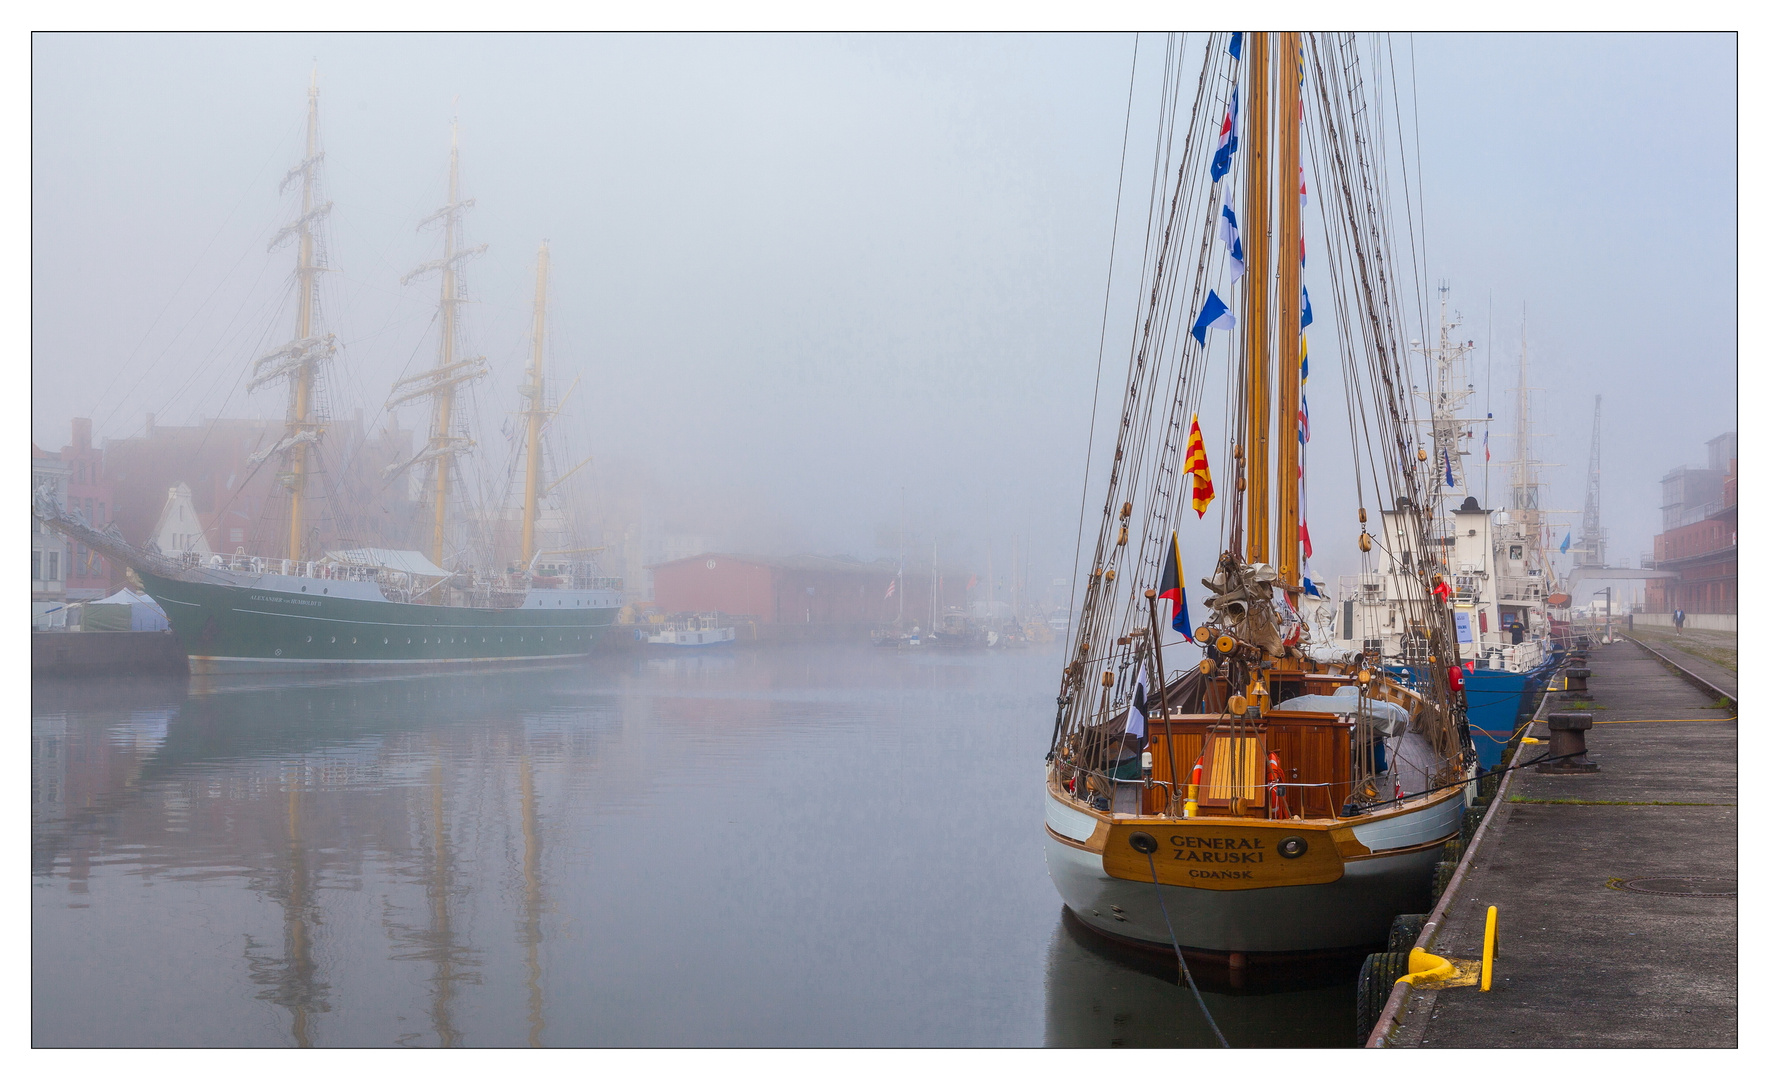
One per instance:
(1463, 783)
(1146, 844)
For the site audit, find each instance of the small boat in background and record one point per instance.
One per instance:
(693, 632)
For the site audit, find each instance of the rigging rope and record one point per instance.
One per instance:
(1100, 357)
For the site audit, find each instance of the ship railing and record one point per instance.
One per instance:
(1176, 793)
(1504, 656)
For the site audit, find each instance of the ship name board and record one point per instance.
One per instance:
(283, 600)
(1218, 849)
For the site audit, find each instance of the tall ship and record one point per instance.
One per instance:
(1249, 789)
(309, 607)
(1491, 565)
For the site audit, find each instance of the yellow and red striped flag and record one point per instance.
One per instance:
(1198, 465)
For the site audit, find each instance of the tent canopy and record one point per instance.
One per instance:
(124, 610)
(403, 562)
(124, 596)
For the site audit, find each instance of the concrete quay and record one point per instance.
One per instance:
(1710, 657)
(80, 654)
(1585, 958)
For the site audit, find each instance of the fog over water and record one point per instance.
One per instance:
(817, 284)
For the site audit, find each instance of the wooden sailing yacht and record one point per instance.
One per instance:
(1288, 796)
(304, 608)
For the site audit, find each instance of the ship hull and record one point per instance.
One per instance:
(228, 629)
(1357, 879)
(1498, 702)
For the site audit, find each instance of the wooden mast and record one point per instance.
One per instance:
(445, 394)
(535, 391)
(301, 421)
(1256, 339)
(1289, 329)
(451, 370)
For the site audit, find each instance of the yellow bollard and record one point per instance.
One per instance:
(1491, 948)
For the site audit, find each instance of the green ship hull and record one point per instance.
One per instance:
(227, 628)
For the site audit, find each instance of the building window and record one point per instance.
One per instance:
(36, 566)
(54, 566)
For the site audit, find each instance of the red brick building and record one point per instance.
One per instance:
(1702, 553)
(242, 505)
(793, 589)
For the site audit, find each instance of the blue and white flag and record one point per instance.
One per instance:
(1231, 237)
(1215, 315)
(1307, 309)
(1234, 44)
(1229, 139)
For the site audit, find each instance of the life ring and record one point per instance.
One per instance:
(1274, 780)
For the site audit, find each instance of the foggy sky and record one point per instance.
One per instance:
(836, 274)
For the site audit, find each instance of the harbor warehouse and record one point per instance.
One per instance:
(793, 589)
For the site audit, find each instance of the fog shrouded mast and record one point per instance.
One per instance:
(298, 361)
(450, 371)
(536, 411)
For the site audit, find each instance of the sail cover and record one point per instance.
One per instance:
(401, 562)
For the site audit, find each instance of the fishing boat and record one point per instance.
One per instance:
(307, 607)
(1494, 563)
(1252, 790)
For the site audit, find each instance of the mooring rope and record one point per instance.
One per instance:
(1184, 971)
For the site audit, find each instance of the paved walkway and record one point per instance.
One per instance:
(1583, 962)
(1705, 652)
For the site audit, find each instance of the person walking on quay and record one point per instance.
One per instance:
(1679, 619)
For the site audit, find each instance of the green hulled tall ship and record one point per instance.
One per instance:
(308, 607)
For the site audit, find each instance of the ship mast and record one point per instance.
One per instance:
(536, 412)
(451, 371)
(1273, 490)
(1289, 328)
(1526, 487)
(1444, 401)
(1257, 340)
(299, 359)
(1591, 537)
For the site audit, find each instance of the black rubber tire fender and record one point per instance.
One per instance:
(1375, 981)
(1471, 820)
(1403, 933)
(1441, 881)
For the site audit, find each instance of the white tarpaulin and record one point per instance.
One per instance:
(144, 614)
(401, 562)
(1386, 717)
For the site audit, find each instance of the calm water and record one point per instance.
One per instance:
(766, 847)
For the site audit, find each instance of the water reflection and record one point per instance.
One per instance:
(807, 847)
(1100, 993)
